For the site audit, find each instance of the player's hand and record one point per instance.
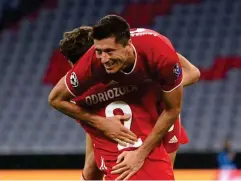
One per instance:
(116, 131)
(128, 163)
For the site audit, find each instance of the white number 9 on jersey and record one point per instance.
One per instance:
(109, 112)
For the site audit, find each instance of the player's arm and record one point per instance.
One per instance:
(191, 74)
(88, 147)
(91, 171)
(75, 83)
(166, 68)
(169, 73)
(60, 99)
(167, 118)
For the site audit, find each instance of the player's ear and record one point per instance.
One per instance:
(129, 43)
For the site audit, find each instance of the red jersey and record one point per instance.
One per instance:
(136, 93)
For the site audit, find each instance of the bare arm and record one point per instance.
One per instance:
(88, 148)
(91, 171)
(191, 74)
(130, 162)
(173, 101)
(170, 77)
(60, 98)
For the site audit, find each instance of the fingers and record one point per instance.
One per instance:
(129, 135)
(123, 175)
(129, 175)
(126, 140)
(118, 166)
(119, 171)
(129, 132)
(125, 135)
(124, 117)
(120, 157)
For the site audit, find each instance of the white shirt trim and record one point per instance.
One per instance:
(68, 86)
(127, 73)
(174, 87)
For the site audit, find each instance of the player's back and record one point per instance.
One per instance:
(133, 99)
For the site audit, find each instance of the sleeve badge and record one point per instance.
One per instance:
(73, 80)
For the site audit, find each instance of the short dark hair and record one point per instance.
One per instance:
(75, 43)
(112, 25)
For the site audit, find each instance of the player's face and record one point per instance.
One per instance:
(111, 54)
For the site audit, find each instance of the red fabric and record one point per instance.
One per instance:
(220, 68)
(158, 50)
(175, 136)
(151, 170)
(57, 68)
(184, 137)
(141, 14)
(101, 92)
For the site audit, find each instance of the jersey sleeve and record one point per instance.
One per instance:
(166, 64)
(78, 79)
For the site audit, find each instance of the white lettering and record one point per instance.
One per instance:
(110, 94)
(94, 99)
(88, 100)
(116, 92)
(101, 97)
(122, 90)
(106, 97)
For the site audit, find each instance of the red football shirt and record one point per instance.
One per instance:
(137, 93)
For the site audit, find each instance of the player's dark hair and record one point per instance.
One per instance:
(112, 26)
(76, 42)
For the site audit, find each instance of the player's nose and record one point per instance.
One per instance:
(104, 58)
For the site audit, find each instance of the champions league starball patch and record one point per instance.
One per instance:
(73, 80)
(177, 70)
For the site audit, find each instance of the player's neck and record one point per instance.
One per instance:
(130, 62)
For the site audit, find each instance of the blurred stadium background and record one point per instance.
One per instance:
(34, 136)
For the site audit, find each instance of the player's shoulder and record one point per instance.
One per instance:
(143, 32)
(144, 39)
(88, 61)
(146, 34)
(87, 58)
(151, 46)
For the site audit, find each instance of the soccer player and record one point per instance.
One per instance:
(73, 45)
(131, 72)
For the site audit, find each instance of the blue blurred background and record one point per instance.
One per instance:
(33, 135)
